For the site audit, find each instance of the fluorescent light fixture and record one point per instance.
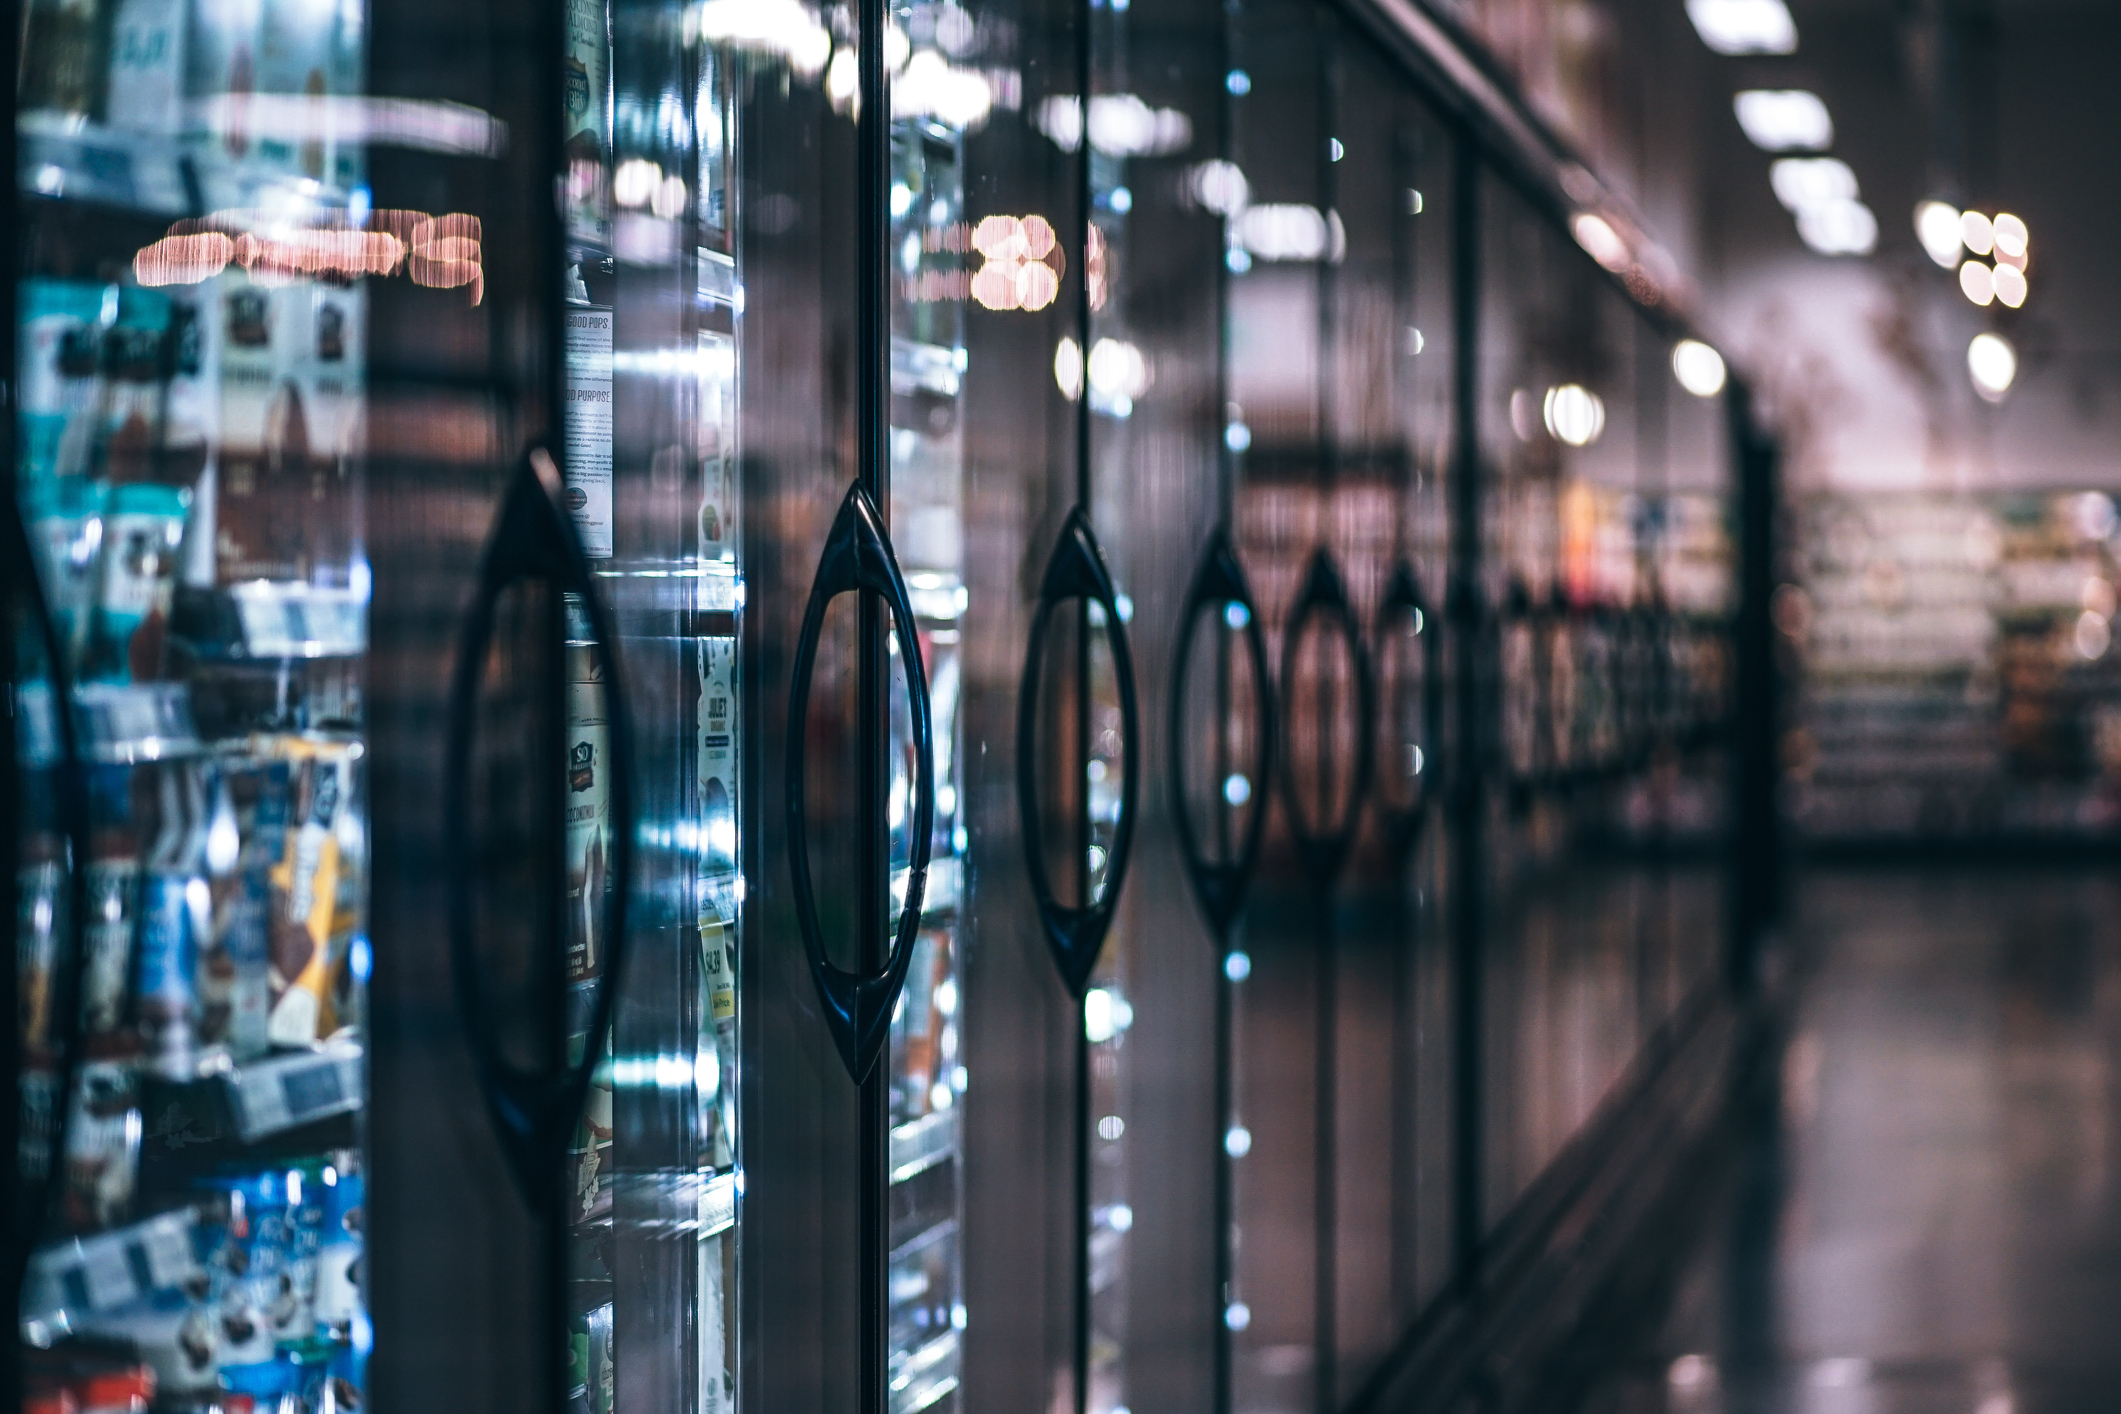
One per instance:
(1744, 26)
(1802, 183)
(1839, 228)
(1698, 368)
(1784, 119)
(1994, 365)
(1937, 227)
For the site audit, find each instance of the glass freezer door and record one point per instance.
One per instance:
(193, 244)
(651, 290)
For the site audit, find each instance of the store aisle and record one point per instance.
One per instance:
(1929, 1218)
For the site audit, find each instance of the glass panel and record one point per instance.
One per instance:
(1281, 240)
(929, 359)
(652, 296)
(193, 257)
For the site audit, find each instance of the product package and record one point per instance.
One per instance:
(586, 86)
(312, 918)
(220, 79)
(147, 66)
(143, 528)
(176, 911)
(103, 1140)
(245, 839)
(58, 357)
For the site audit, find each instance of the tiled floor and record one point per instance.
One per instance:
(1929, 1220)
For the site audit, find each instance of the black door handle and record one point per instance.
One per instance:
(535, 1111)
(858, 558)
(39, 1184)
(1403, 597)
(1076, 571)
(1219, 586)
(1323, 845)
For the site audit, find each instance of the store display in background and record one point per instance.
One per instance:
(1957, 677)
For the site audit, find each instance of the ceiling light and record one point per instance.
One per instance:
(1574, 414)
(1979, 235)
(1839, 228)
(1744, 26)
(1978, 281)
(1937, 227)
(2011, 288)
(1698, 368)
(2012, 238)
(1994, 365)
(1804, 182)
(1784, 119)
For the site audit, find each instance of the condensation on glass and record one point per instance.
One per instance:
(194, 251)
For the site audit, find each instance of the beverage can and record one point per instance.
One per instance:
(113, 886)
(585, 89)
(305, 899)
(248, 828)
(588, 793)
(102, 1146)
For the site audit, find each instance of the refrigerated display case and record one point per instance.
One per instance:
(534, 507)
(194, 949)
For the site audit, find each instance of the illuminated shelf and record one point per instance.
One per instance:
(717, 1204)
(919, 1145)
(142, 172)
(924, 1375)
(123, 723)
(266, 619)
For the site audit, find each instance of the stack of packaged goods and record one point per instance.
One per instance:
(210, 1177)
(590, 1195)
(248, 92)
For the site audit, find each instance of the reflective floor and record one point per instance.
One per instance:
(1928, 1216)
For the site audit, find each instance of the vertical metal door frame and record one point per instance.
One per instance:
(1466, 794)
(872, 428)
(1754, 723)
